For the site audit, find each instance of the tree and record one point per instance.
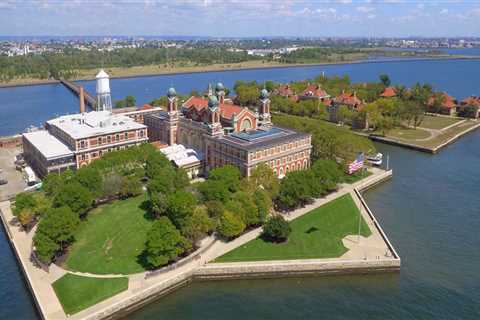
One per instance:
(130, 101)
(164, 243)
(180, 206)
(90, 178)
(276, 229)
(263, 203)
(244, 206)
(214, 190)
(130, 187)
(111, 185)
(26, 216)
(263, 177)
(181, 179)
(45, 247)
(295, 190)
(385, 79)
(229, 175)
(230, 225)
(24, 201)
(75, 196)
(198, 224)
(55, 231)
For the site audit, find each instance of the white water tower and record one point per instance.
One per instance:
(104, 100)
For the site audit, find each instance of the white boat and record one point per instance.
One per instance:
(376, 159)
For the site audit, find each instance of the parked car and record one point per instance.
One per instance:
(3, 181)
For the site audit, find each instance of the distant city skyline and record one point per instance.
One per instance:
(236, 18)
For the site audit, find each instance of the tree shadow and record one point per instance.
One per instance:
(147, 208)
(311, 230)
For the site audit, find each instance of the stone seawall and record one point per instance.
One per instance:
(293, 268)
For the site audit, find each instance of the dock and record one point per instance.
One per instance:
(75, 88)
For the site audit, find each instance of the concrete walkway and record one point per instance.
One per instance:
(142, 288)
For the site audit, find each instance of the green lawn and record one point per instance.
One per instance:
(317, 234)
(77, 293)
(111, 240)
(436, 122)
(355, 177)
(408, 134)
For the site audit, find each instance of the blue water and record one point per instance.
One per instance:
(21, 107)
(429, 210)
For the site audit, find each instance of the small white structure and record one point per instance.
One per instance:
(188, 159)
(104, 99)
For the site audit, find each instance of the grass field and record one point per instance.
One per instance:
(317, 234)
(77, 293)
(437, 122)
(408, 134)
(447, 134)
(111, 240)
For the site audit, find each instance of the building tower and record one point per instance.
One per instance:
(172, 116)
(214, 125)
(104, 100)
(264, 112)
(220, 92)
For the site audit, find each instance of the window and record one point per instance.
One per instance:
(99, 140)
(141, 133)
(109, 139)
(82, 144)
(126, 135)
(117, 137)
(83, 157)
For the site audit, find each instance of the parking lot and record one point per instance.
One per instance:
(16, 183)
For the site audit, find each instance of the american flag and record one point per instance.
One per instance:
(357, 164)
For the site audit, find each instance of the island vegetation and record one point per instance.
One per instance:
(74, 63)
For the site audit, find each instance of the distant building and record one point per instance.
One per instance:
(472, 101)
(352, 102)
(442, 103)
(389, 92)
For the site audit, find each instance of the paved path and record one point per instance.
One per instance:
(141, 286)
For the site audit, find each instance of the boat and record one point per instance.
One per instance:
(375, 159)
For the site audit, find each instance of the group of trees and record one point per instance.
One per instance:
(328, 141)
(66, 198)
(301, 187)
(127, 102)
(67, 64)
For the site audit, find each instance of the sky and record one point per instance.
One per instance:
(241, 18)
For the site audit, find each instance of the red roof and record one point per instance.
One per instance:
(448, 101)
(349, 99)
(146, 107)
(471, 101)
(314, 90)
(226, 109)
(389, 92)
(284, 90)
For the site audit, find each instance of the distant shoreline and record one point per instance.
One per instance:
(222, 68)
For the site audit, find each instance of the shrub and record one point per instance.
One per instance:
(276, 229)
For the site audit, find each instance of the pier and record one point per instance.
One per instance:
(75, 88)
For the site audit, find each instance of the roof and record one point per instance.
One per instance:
(94, 123)
(448, 101)
(226, 109)
(471, 101)
(182, 156)
(48, 145)
(102, 74)
(314, 90)
(348, 98)
(262, 138)
(284, 90)
(389, 92)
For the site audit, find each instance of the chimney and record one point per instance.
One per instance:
(82, 100)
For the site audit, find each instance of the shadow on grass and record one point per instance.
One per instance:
(312, 229)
